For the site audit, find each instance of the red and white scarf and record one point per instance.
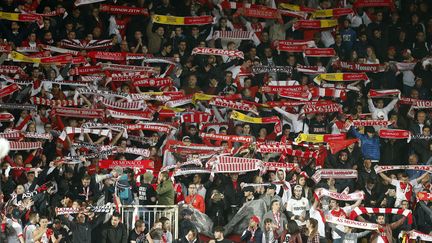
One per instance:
(141, 164)
(414, 235)
(152, 82)
(78, 112)
(235, 35)
(422, 104)
(236, 105)
(116, 9)
(126, 76)
(321, 192)
(132, 105)
(334, 173)
(364, 123)
(227, 164)
(127, 68)
(17, 146)
(229, 138)
(424, 196)
(363, 210)
(319, 52)
(84, 70)
(322, 107)
(384, 93)
(79, 130)
(374, 3)
(8, 90)
(145, 115)
(56, 103)
(359, 67)
(351, 223)
(217, 52)
(6, 117)
(195, 117)
(318, 92)
(382, 168)
(274, 166)
(311, 69)
(150, 126)
(395, 134)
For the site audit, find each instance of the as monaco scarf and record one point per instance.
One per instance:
(394, 134)
(116, 9)
(362, 210)
(321, 192)
(373, 93)
(18, 146)
(152, 82)
(359, 67)
(258, 120)
(109, 56)
(8, 90)
(141, 164)
(127, 68)
(229, 138)
(334, 173)
(287, 150)
(191, 171)
(217, 52)
(281, 44)
(22, 17)
(319, 52)
(422, 104)
(318, 92)
(86, 45)
(236, 105)
(7, 69)
(60, 59)
(335, 12)
(351, 223)
(382, 168)
(95, 209)
(364, 123)
(78, 112)
(340, 77)
(109, 94)
(315, 24)
(274, 89)
(190, 20)
(126, 76)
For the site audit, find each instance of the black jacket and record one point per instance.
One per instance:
(112, 234)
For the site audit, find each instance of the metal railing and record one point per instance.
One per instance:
(149, 214)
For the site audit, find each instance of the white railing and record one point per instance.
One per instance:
(149, 214)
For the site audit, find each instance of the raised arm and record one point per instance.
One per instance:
(398, 223)
(371, 104)
(385, 177)
(391, 105)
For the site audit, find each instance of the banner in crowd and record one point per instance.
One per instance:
(258, 120)
(227, 164)
(228, 138)
(217, 52)
(340, 77)
(60, 59)
(17, 146)
(363, 210)
(415, 235)
(324, 106)
(262, 13)
(124, 10)
(234, 35)
(364, 123)
(274, 166)
(22, 17)
(173, 20)
(257, 69)
(338, 145)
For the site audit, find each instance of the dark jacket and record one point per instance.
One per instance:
(111, 234)
(82, 233)
(247, 236)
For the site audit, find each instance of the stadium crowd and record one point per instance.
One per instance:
(264, 121)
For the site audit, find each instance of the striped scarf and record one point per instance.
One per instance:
(227, 164)
(75, 130)
(235, 35)
(363, 210)
(56, 103)
(18, 146)
(195, 117)
(129, 105)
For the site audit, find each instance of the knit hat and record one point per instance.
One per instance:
(255, 219)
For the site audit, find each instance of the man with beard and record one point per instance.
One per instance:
(385, 231)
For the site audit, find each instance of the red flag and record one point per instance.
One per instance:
(338, 145)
